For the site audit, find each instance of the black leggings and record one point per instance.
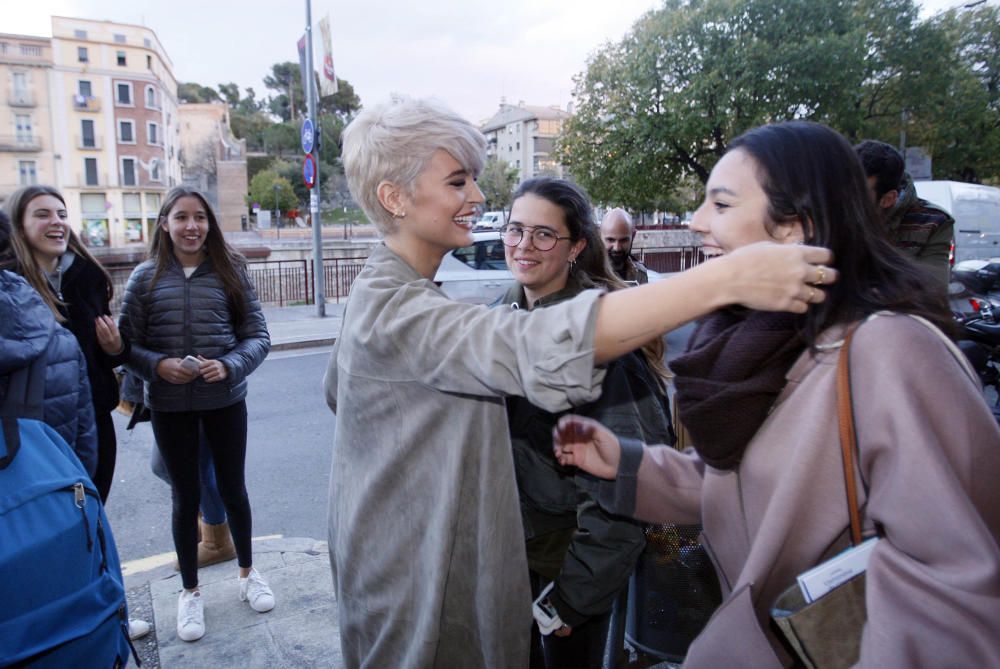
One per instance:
(177, 438)
(107, 449)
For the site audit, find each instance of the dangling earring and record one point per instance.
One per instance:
(572, 264)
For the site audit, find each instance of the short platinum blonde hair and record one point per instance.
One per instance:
(395, 140)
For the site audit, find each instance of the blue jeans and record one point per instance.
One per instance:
(212, 508)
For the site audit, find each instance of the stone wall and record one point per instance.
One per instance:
(659, 238)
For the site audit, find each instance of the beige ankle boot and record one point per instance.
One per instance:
(215, 544)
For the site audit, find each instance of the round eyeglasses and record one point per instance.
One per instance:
(542, 239)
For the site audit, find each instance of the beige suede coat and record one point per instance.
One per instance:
(930, 460)
(426, 542)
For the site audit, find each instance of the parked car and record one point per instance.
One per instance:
(476, 273)
(493, 220)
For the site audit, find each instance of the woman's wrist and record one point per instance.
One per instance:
(720, 282)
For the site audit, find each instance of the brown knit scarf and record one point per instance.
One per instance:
(732, 372)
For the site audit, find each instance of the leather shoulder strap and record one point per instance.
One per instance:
(848, 439)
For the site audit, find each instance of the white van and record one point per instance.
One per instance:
(976, 210)
(493, 220)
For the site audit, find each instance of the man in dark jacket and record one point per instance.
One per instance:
(917, 228)
(617, 233)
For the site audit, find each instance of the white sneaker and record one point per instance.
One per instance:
(137, 628)
(190, 616)
(254, 589)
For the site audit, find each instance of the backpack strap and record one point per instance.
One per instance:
(25, 398)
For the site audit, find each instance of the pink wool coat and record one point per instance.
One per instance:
(930, 460)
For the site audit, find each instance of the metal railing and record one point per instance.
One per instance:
(665, 259)
(281, 282)
(289, 282)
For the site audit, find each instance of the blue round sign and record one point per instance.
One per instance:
(308, 135)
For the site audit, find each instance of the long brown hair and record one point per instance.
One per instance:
(24, 262)
(592, 267)
(227, 262)
(830, 195)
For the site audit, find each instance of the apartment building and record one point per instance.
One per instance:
(113, 101)
(27, 155)
(523, 136)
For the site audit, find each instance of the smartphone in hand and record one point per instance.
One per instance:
(191, 363)
(545, 613)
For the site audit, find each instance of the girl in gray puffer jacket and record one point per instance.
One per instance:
(197, 331)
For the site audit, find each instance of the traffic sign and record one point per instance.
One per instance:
(308, 135)
(309, 171)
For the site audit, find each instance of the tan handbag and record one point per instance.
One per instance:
(826, 634)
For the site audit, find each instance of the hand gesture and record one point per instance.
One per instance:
(777, 277)
(108, 337)
(172, 371)
(587, 444)
(213, 371)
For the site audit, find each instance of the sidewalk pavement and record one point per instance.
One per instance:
(300, 327)
(301, 630)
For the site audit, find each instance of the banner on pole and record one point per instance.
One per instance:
(302, 64)
(328, 80)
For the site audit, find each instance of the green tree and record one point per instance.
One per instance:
(195, 93)
(282, 138)
(285, 79)
(342, 104)
(230, 94)
(497, 182)
(958, 121)
(250, 126)
(270, 190)
(662, 103)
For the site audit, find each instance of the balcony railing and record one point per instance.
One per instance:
(89, 143)
(86, 103)
(21, 98)
(18, 143)
(102, 181)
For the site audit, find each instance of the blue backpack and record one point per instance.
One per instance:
(61, 587)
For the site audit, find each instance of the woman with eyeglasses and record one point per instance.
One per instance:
(426, 541)
(554, 250)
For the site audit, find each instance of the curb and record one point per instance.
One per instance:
(303, 343)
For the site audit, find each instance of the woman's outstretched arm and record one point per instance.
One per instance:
(765, 276)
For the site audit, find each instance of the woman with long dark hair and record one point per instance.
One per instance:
(197, 331)
(77, 288)
(757, 392)
(554, 250)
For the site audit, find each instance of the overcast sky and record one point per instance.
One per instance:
(467, 53)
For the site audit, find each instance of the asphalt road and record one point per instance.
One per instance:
(288, 459)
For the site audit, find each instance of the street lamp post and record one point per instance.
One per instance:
(277, 210)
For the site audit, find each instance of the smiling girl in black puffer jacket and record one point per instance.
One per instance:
(193, 299)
